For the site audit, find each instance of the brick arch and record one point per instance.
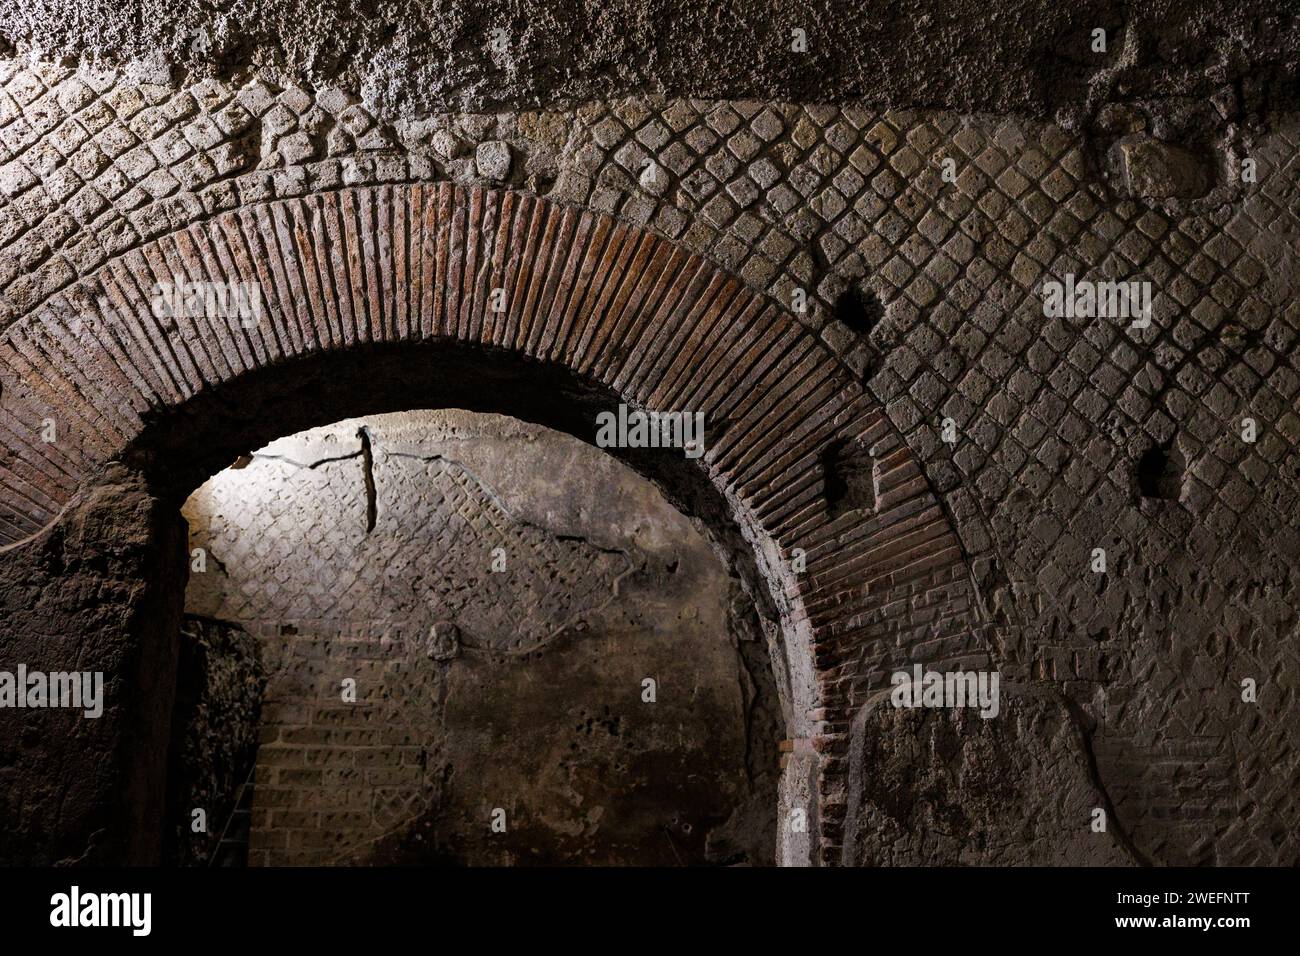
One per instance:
(376, 268)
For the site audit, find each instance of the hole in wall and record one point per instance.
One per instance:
(1160, 473)
(849, 475)
(859, 309)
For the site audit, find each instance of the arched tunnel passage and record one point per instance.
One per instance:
(462, 639)
(185, 445)
(230, 424)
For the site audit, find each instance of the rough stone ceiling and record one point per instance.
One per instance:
(403, 56)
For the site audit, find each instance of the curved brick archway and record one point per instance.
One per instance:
(365, 271)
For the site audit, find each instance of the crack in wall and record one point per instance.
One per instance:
(308, 466)
(368, 470)
(500, 503)
(1085, 727)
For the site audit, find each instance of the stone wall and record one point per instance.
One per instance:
(216, 723)
(101, 592)
(924, 304)
(499, 593)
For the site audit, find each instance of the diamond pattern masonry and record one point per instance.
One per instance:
(1052, 414)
